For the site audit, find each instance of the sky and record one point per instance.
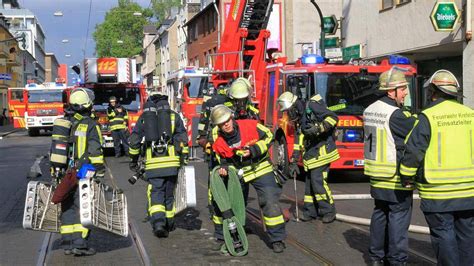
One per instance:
(73, 26)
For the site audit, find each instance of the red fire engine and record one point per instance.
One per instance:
(114, 77)
(185, 89)
(36, 106)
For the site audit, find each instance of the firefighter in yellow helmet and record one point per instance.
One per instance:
(239, 100)
(244, 144)
(386, 126)
(439, 159)
(118, 122)
(85, 147)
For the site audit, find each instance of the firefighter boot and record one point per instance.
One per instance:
(329, 217)
(83, 251)
(160, 231)
(217, 245)
(278, 246)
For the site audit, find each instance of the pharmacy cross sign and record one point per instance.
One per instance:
(445, 16)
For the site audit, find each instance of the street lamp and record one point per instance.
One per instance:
(137, 14)
(58, 13)
(65, 41)
(68, 55)
(119, 41)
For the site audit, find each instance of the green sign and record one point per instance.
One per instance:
(331, 42)
(330, 25)
(445, 16)
(351, 52)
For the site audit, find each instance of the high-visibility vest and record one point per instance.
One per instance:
(449, 159)
(117, 120)
(380, 153)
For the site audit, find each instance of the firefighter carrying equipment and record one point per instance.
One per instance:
(392, 79)
(60, 143)
(230, 201)
(81, 98)
(445, 81)
(286, 100)
(239, 90)
(449, 159)
(220, 114)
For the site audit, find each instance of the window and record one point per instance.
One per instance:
(271, 97)
(401, 2)
(17, 95)
(386, 4)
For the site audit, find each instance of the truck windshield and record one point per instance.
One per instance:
(45, 96)
(196, 86)
(127, 97)
(351, 93)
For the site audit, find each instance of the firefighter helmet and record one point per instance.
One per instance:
(445, 81)
(155, 96)
(81, 97)
(392, 79)
(220, 114)
(239, 89)
(112, 99)
(286, 100)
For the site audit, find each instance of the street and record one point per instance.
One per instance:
(309, 243)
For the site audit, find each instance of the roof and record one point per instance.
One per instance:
(17, 12)
(203, 11)
(149, 29)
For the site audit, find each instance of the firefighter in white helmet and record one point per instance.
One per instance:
(386, 126)
(85, 148)
(239, 100)
(439, 159)
(244, 144)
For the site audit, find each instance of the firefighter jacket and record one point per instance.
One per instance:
(250, 111)
(296, 114)
(118, 117)
(321, 149)
(61, 141)
(386, 127)
(439, 157)
(162, 164)
(248, 134)
(87, 142)
(204, 120)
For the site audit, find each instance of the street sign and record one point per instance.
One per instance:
(330, 25)
(351, 52)
(334, 53)
(331, 42)
(5, 76)
(445, 16)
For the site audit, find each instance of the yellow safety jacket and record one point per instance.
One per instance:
(117, 121)
(449, 159)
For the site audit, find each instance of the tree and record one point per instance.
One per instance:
(162, 8)
(121, 33)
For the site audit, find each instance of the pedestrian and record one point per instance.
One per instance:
(86, 141)
(439, 159)
(118, 121)
(386, 125)
(239, 100)
(319, 128)
(164, 151)
(244, 145)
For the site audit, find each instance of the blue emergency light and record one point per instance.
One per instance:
(398, 60)
(352, 135)
(189, 70)
(308, 59)
(31, 85)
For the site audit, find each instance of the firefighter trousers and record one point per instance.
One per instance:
(389, 231)
(160, 195)
(452, 236)
(120, 136)
(73, 234)
(318, 199)
(268, 193)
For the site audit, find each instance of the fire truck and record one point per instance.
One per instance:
(36, 106)
(185, 89)
(346, 88)
(114, 77)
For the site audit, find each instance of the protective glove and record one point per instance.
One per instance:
(202, 141)
(407, 181)
(100, 171)
(294, 169)
(311, 130)
(133, 166)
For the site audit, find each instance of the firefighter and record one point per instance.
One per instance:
(204, 126)
(118, 120)
(439, 160)
(86, 148)
(239, 100)
(386, 126)
(164, 151)
(244, 144)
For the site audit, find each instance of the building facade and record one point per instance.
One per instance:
(148, 55)
(52, 66)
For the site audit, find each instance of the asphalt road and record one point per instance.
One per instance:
(308, 243)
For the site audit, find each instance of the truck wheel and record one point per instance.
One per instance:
(280, 154)
(32, 132)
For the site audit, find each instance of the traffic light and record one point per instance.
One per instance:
(23, 40)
